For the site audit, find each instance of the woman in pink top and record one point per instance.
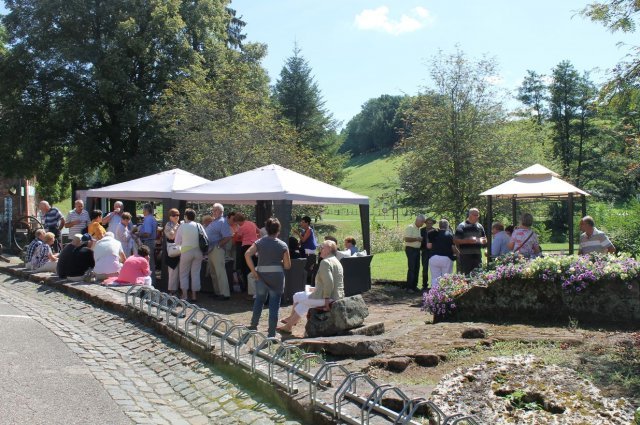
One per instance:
(136, 268)
(249, 233)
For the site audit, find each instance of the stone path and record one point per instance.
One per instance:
(151, 380)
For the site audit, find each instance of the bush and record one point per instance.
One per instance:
(622, 225)
(384, 239)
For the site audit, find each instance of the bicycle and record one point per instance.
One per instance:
(24, 231)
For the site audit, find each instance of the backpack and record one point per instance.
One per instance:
(203, 240)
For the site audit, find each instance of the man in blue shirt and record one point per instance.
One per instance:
(148, 232)
(53, 222)
(500, 240)
(219, 233)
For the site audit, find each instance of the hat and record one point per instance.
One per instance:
(77, 236)
(86, 237)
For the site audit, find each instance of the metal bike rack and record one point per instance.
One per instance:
(170, 303)
(298, 365)
(302, 368)
(348, 384)
(406, 415)
(374, 403)
(153, 300)
(250, 339)
(192, 318)
(326, 371)
(131, 293)
(184, 306)
(235, 328)
(214, 330)
(203, 322)
(259, 351)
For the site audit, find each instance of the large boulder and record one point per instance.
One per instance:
(345, 314)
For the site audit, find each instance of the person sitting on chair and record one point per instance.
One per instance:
(329, 287)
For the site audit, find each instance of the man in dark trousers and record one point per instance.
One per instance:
(470, 238)
(427, 233)
(412, 242)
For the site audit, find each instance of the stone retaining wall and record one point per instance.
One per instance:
(526, 300)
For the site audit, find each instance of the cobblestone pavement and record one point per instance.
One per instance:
(151, 379)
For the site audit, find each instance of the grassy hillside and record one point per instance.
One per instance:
(373, 174)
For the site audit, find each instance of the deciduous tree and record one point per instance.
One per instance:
(454, 149)
(80, 80)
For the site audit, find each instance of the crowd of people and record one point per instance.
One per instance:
(110, 249)
(437, 249)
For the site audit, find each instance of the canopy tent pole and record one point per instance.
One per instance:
(263, 212)
(570, 217)
(490, 226)
(366, 232)
(282, 210)
(514, 211)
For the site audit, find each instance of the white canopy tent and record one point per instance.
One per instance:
(282, 186)
(150, 188)
(271, 182)
(535, 182)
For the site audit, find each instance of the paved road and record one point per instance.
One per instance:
(68, 362)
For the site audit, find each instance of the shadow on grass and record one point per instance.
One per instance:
(392, 294)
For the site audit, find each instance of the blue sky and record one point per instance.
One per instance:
(360, 49)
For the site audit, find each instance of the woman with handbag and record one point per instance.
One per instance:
(173, 250)
(443, 252)
(523, 239)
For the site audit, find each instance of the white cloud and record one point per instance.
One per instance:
(378, 20)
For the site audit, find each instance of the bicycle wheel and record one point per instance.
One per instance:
(24, 230)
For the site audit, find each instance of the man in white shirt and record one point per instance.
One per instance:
(108, 256)
(114, 217)
(77, 219)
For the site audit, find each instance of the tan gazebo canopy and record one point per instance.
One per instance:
(534, 182)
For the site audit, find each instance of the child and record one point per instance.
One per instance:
(95, 228)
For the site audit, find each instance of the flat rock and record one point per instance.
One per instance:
(474, 333)
(394, 364)
(346, 345)
(368, 330)
(427, 360)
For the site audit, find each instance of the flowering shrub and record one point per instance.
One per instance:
(575, 273)
(440, 300)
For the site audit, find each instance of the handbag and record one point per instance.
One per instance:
(173, 250)
(203, 240)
